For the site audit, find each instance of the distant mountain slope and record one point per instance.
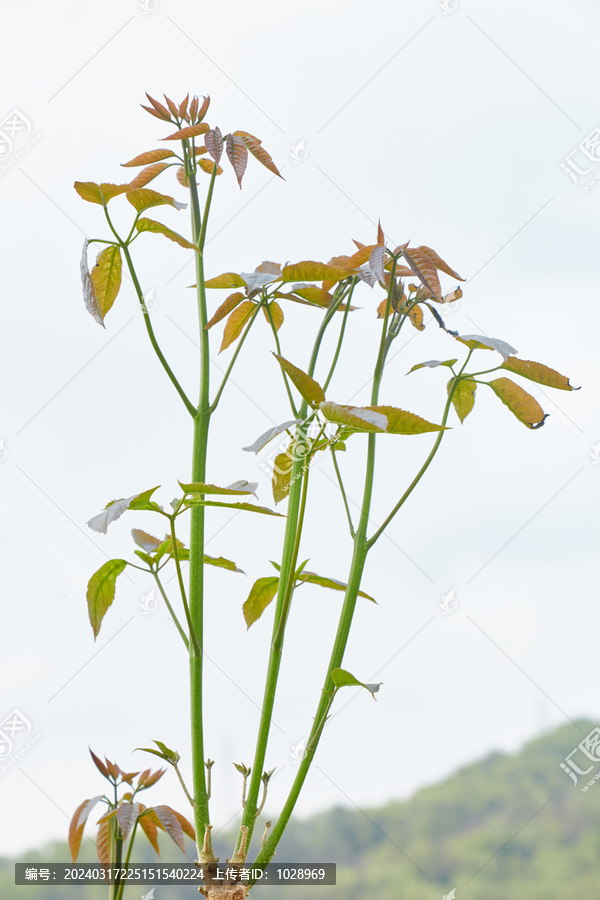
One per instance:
(505, 827)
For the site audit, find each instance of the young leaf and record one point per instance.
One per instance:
(380, 235)
(478, 341)
(259, 153)
(423, 266)
(113, 769)
(163, 112)
(537, 372)
(226, 280)
(89, 293)
(208, 166)
(101, 591)
(142, 501)
(439, 263)
(214, 143)
(110, 514)
(308, 270)
(151, 156)
(249, 507)
(103, 843)
(144, 198)
(106, 278)
(237, 154)
(282, 474)
(377, 419)
(149, 828)
(173, 108)
(144, 540)
(432, 364)
(182, 178)
(463, 398)
(415, 314)
(308, 387)
(171, 825)
(260, 596)
(267, 436)
(343, 678)
(77, 825)
(148, 174)
(127, 814)
(225, 308)
(199, 487)
(99, 764)
(332, 583)
(159, 228)
(235, 323)
(276, 314)
(190, 131)
(521, 404)
(99, 193)
(222, 563)
(186, 826)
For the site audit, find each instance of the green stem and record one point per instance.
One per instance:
(188, 405)
(171, 610)
(193, 638)
(341, 484)
(240, 344)
(121, 890)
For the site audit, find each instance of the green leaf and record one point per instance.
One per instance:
(199, 487)
(159, 228)
(260, 596)
(463, 398)
(308, 387)
(521, 404)
(537, 372)
(99, 193)
(145, 557)
(101, 591)
(106, 278)
(433, 364)
(166, 548)
(309, 270)
(332, 583)
(142, 501)
(343, 678)
(222, 563)
(143, 198)
(374, 419)
(170, 756)
(249, 507)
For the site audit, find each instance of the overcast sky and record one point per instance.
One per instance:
(456, 126)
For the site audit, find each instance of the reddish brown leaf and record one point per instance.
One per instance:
(151, 156)
(186, 826)
(187, 132)
(103, 843)
(258, 152)
(380, 235)
(163, 113)
(99, 764)
(193, 110)
(171, 825)
(113, 768)
(225, 308)
(358, 244)
(143, 776)
(426, 270)
(153, 112)
(439, 262)
(128, 777)
(154, 777)
(182, 177)
(235, 323)
(172, 106)
(238, 156)
(147, 174)
(149, 828)
(183, 108)
(203, 108)
(78, 824)
(214, 143)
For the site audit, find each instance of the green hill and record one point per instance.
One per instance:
(508, 826)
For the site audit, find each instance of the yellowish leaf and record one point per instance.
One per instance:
(538, 372)
(226, 280)
(308, 387)
(309, 270)
(188, 132)
(276, 314)
(207, 165)
(99, 193)
(463, 396)
(148, 174)
(235, 323)
(225, 308)
(259, 153)
(106, 278)
(159, 228)
(151, 156)
(521, 404)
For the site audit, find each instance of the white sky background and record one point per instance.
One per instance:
(451, 128)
